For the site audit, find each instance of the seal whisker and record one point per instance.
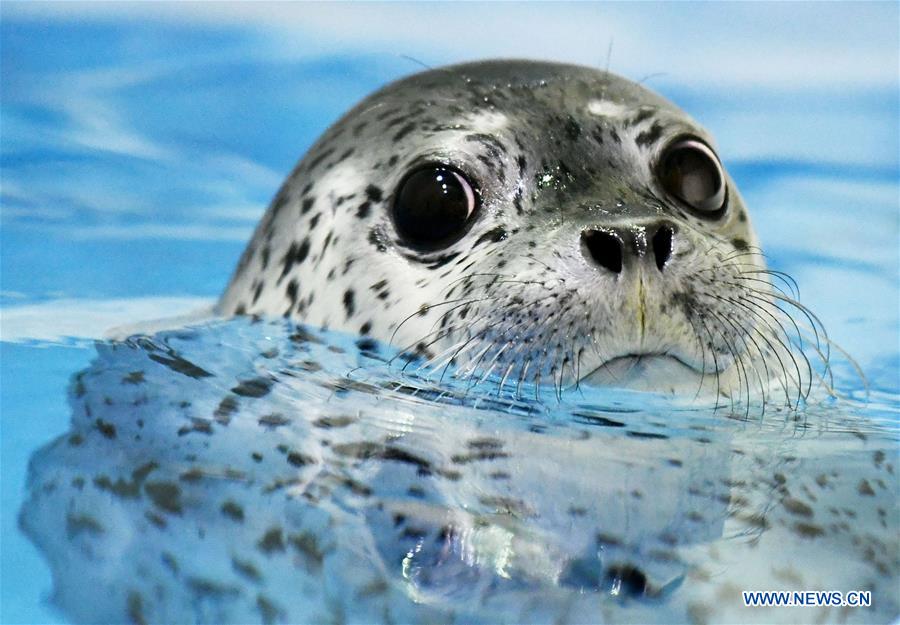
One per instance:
(712, 351)
(604, 358)
(737, 357)
(787, 278)
(503, 379)
(743, 305)
(479, 333)
(785, 379)
(755, 301)
(759, 289)
(428, 307)
(744, 338)
(764, 298)
(578, 356)
(785, 344)
(522, 375)
(443, 331)
(493, 363)
(702, 346)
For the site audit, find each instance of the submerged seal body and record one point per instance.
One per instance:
(538, 222)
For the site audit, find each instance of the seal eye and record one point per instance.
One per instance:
(433, 206)
(690, 172)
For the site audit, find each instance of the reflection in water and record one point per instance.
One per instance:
(235, 472)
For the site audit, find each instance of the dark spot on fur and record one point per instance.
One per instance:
(367, 345)
(179, 365)
(233, 511)
(315, 162)
(279, 202)
(226, 408)
(246, 569)
(328, 423)
(479, 455)
(349, 302)
(300, 460)
(739, 244)
(643, 114)
(272, 421)
(271, 541)
(269, 611)
(256, 387)
(649, 137)
(373, 193)
(206, 588)
(201, 426)
(405, 130)
(808, 530)
(594, 419)
(291, 292)
(82, 523)
(135, 377)
(634, 434)
(135, 606)
(296, 254)
(797, 507)
(307, 547)
(108, 430)
(367, 450)
(494, 235)
(572, 128)
(165, 495)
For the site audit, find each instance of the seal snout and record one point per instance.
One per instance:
(611, 248)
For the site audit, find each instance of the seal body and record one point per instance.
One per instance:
(235, 472)
(577, 264)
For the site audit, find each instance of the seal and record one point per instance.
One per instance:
(530, 222)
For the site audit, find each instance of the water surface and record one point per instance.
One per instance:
(131, 182)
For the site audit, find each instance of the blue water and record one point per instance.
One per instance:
(138, 150)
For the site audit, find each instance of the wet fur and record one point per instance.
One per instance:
(552, 149)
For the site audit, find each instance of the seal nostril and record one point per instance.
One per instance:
(604, 248)
(662, 246)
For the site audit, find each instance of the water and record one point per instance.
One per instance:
(131, 183)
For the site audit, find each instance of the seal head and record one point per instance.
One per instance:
(536, 222)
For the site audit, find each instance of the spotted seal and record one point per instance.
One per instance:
(531, 221)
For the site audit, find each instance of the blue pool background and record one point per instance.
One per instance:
(141, 143)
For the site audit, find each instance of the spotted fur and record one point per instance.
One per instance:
(553, 150)
(236, 473)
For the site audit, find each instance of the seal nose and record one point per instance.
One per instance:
(609, 247)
